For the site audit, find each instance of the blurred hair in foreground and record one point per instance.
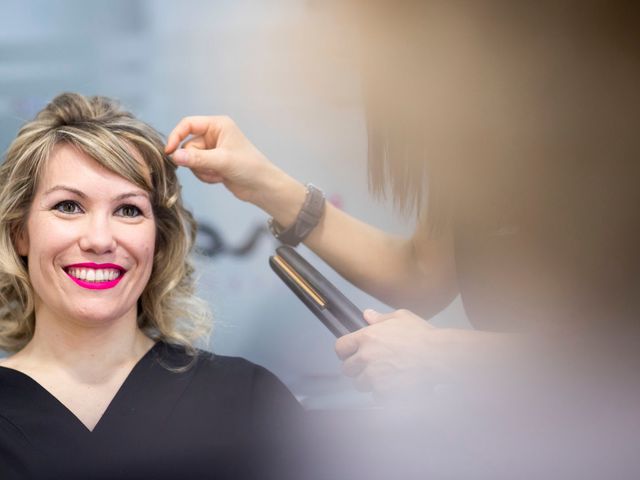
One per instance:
(500, 117)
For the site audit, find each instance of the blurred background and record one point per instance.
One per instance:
(286, 71)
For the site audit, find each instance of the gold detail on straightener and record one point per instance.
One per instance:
(301, 282)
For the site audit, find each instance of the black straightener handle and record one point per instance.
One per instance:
(327, 303)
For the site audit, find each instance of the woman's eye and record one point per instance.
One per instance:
(128, 211)
(67, 206)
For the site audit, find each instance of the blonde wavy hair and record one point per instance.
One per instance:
(168, 309)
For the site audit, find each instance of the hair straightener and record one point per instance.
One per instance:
(326, 302)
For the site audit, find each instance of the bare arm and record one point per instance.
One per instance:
(416, 273)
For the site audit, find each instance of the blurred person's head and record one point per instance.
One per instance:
(466, 97)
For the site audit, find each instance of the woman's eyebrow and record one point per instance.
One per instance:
(68, 189)
(79, 193)
(140, 193)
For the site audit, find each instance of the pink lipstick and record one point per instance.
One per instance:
(95, 276)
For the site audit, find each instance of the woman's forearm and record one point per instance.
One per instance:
(416, 273)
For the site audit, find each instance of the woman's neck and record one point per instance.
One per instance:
(87, 351)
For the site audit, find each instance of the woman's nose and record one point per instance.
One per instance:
(97, 236)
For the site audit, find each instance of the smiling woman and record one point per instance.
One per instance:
(97, 306)
(94, 227)
(93, 134)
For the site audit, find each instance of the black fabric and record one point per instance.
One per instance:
(220, 417)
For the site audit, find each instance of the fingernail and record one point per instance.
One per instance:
(181, 156)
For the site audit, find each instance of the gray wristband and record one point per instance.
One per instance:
(308, 217)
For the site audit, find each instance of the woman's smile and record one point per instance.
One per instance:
(95, 276)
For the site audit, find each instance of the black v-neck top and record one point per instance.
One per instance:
(220, 417)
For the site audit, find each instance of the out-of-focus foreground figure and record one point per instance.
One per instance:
(510, 128)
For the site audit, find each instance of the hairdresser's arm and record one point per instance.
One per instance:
(416, 273)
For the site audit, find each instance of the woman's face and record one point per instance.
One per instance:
(89, 241)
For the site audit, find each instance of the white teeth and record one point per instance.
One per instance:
(94, 275)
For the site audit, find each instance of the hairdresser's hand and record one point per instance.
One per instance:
(217, 151)
(400, 352)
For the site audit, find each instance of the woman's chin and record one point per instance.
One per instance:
(101, 318)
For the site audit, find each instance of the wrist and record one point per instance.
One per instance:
(280, 196)
(306, 220)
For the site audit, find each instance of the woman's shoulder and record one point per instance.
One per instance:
(215, 370)
(180, 357)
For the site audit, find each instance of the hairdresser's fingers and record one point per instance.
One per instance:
(207, 165)
(198, 159)
(372, 316)
(404, 316)
(380, 377)
(353, 366)
(195, 125)
(198, 142)
(346, 345)
(208, 126)
(209, 177)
